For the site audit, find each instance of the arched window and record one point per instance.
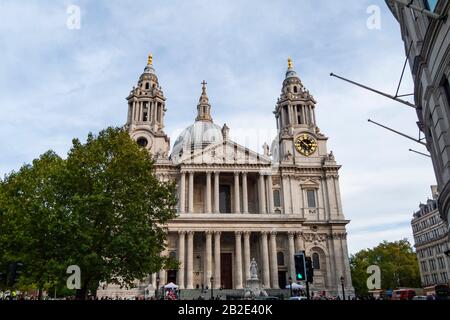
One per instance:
(280, 258)
(295, 89)
(147, 86)
(316, 261)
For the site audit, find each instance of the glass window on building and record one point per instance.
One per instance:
(430, 4)
(276, 198)
(311, 195)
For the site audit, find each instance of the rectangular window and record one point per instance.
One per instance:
(276, 198)
(311, 195)
(446, 87)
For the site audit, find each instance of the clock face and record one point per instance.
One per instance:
(305, 144)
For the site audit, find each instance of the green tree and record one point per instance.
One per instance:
(397, 261)
(34, 223)
(102, 209)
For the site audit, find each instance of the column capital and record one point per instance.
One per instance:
(247, 233)
(190, 233)
(299, 234)
(216, 172)
(273, 233)
(181, 232)
(291, 234)
(208, 173)
(264, 232)
(244, 173)
(238, 233)
(217, 233)
(210, 232)
(236, 173)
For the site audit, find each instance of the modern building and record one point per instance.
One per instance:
(235, 204)
(430, 238)
(425, 29)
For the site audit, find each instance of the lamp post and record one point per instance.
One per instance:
(157, 287)
(290, 284)
(342, 284)
(212, 287)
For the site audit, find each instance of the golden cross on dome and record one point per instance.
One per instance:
(204, 83)
(150, 59)
(290, 65)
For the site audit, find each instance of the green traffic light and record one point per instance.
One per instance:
(299, 276)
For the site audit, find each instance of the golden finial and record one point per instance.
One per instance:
(290, 65)
(150, 59)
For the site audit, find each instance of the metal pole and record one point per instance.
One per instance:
(307, 291)
(423, 154)
(421, 10)
(409, 104)
(397, 132)
(343, 290)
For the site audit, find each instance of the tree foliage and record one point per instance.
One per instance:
(397, 261)
(102, 209)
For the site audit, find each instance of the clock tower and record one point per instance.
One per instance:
(146, 109)
(299, 139)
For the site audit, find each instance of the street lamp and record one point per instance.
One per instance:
(342, 284)
(290, 284)
(212, 287)
(157, 287)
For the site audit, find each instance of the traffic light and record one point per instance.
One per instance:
(300, 267)
(309, 269)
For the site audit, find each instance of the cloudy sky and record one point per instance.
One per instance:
(57, 83)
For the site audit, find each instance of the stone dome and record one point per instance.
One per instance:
(197, 136)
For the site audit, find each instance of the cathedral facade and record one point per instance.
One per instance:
(236, 205)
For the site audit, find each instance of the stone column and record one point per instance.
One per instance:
(270, 193)
(162, 273)
(191, 192)
(162, 278)
(154, 280)
(273, 260)
(181, 255)
(216, 192)
(246, 255)
(265, 260)
(291, 256)
(182, 208)
(338, 194)
(262, 197)
(238, 260)
(300, 245)
(190, 260)
(217, 281)
(244, 193)
(208, 258)
(237, 202)
(208, 193)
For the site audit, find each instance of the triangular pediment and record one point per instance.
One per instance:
(309, 182)
(228, 152)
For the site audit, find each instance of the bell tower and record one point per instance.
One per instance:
(299, 138)
(146, 109)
